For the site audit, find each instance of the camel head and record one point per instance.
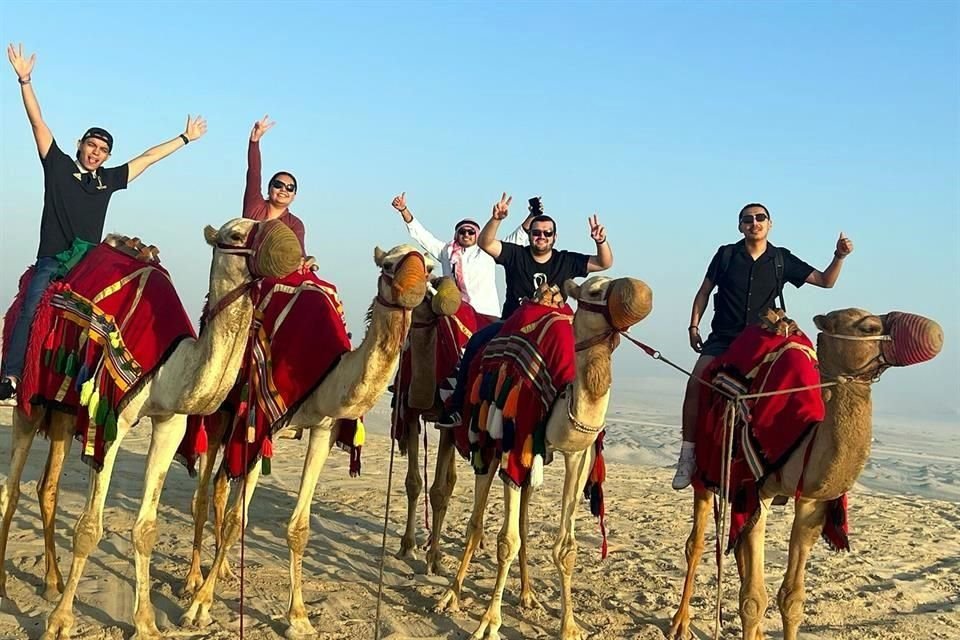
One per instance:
(854, 342)
(245, 248)
(605, 307)
(403, 275)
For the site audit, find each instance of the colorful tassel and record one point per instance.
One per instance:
(267, 452)
(510, 406)
(475, 390)
(501, 379)
(484, 411)
(504, 391)
(526, 454)
(47, 357)
(110, 427)
(509, 433)
(72, 365)
(94, 404)
(536, 473)
(61, 361)
(487, 385)
(495, 423)
(540, 440)
(100, 417)
(86, 392)
(360, 435)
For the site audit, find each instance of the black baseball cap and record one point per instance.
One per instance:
(99, 134)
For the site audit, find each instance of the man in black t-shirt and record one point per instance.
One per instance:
(76, 194)
(526, 269)
(749, 277)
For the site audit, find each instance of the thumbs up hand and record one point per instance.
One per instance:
(844, 246)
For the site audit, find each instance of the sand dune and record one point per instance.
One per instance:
(901, 580)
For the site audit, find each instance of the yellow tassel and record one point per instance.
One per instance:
(360, 436)
(475, 391)
(484, 410)
(114, 339)
(94, 403)
(526, 456)
(510, 406)
(86, 390)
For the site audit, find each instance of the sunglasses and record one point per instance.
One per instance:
(466, 231)
(748, 219)
(538, 233)
(280, 184)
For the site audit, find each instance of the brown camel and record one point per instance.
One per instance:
(605, 307)
(852, 345)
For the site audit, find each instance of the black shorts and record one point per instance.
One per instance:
(716, 345)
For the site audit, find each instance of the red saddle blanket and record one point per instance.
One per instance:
(453, 332)
(513, 384)
(96, 337)
(297, 337)
(767, 430)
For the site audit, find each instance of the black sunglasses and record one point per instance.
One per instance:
(280, 184)
(466, 231)
(536, 233)
(748, 219)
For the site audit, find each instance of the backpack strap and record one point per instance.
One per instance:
(726, 255)
(778, 268)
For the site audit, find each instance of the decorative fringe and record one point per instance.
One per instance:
(359, 436)
(475, 391)
(201, 442)
(536, 473)
(110, 427)
(510, 406)
(495, 424)
(86, 392)
(509, 433)
(526, 454)
(41, 334)
(482, 420)
(267, 453)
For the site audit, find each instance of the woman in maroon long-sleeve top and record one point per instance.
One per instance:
(282, 190)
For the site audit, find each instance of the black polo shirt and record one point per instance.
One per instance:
(524, 275)
(74, 201)
(748, 287)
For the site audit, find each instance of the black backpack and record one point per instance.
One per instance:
(726, 254)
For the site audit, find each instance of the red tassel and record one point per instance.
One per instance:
(201, 446)
(267, 448)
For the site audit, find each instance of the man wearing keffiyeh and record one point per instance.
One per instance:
(473, 270)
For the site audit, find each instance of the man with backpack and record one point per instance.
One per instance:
(749, 277)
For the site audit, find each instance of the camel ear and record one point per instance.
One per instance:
(571, 289)
(210, 235)
(378, 256)
(823, 323)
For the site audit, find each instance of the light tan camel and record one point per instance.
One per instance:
(849, 344)
(349, 391)
(194, 379)
(605, 307)
(421, 395)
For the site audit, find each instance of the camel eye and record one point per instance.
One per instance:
(236, 236)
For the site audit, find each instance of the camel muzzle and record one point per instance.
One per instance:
(409, 282)
(913, 339)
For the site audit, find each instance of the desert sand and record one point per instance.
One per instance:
(901, 579)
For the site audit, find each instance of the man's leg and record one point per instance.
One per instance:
(451, 414)
(687, 464)
(17, 351)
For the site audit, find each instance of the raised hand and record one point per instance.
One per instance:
(844, 246)
(21, 65)
(502, 208)
(260, 127)
(195, 128)
(400, 202)
(597, 231)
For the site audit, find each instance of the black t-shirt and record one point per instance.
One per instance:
(74, 201)
(748, 287)
(525, 275)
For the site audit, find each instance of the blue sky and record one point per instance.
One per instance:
(665, 118)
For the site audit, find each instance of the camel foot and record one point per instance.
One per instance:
(52, 592)
(529, 601)
(226, 573)
(191, 584)
(680, 628)
(300, 629)
(59, 626)
(449, 602)
(489, 628)
(570, 630)
(198, 615)
(408, 549)
(148, 631)
(434, 568)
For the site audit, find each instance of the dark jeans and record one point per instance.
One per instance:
(46, 268)
(476, 342)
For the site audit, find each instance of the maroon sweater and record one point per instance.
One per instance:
(255, 206)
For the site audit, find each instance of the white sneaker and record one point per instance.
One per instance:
(686, 467)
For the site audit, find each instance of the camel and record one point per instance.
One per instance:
(194, 379)
(350, 390)
(605, 308)
(851, 345)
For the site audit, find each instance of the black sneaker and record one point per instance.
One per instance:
(8, 388)
(449, 420)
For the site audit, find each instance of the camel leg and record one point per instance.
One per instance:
(414, 486)
(508, 545)
(481, 492)
(680, 629)
(444, 480)
(199, 507)
(22, 437)
(164, 440)
(527, 599)
(236, 519)
(753, 591)
(86, 537)
(61, 437)
(221, 492)
(807, 524)
(298, 529)
(577, 466)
